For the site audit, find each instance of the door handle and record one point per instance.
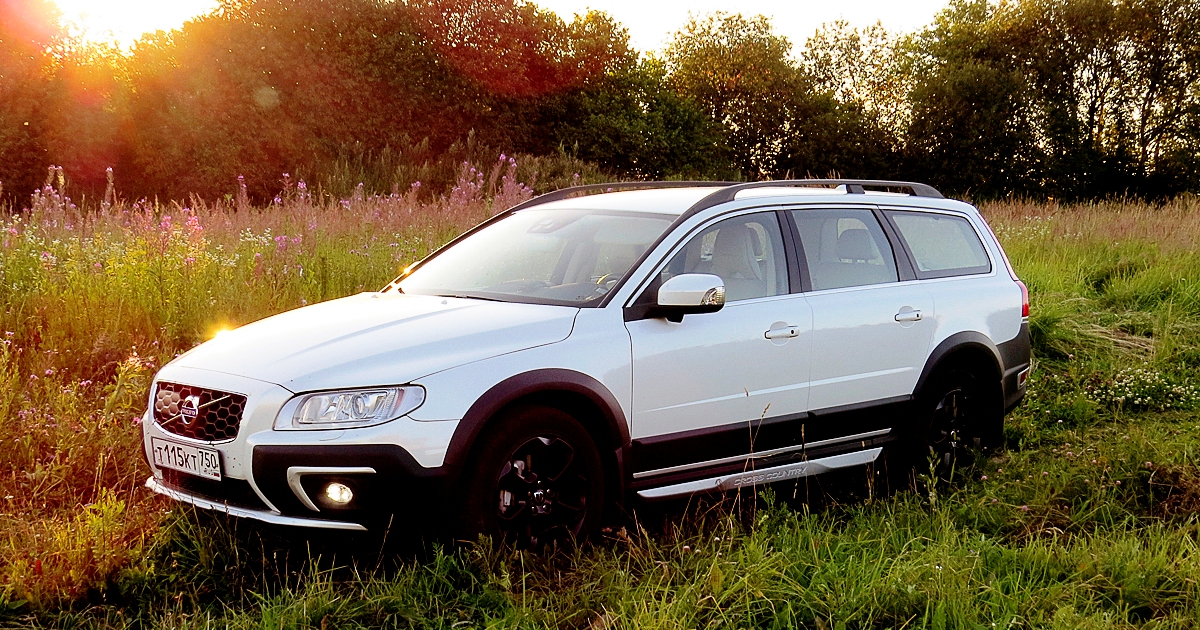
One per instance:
(908, 316)
(783, 333)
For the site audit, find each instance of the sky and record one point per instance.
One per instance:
(650, 22)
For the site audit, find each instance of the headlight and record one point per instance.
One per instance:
(350, 408)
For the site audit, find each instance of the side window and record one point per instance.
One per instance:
(941, 245)
(746, 252)
(844, 248)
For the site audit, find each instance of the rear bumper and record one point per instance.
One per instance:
(1016, 357)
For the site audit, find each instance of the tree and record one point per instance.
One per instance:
(28, 30)
(634, 124)
(738, 70)
(1080, 97)
(1070, 98)
(971, 130)
(863, 68)
(264, 87)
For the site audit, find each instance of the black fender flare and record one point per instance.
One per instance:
(549, 380)
(955, 342)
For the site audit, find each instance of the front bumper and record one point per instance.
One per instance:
(288, 484)
(385, 479)
(279, 476)
(275, 518)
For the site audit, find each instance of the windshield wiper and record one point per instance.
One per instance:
(463, 296)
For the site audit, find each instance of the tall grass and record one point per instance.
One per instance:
(1085, 519)
(1116, 299)
(94, 300)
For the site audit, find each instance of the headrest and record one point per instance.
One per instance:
(733, 253)
(733, 240)
(855, 245)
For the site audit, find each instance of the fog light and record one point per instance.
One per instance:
(339, 493)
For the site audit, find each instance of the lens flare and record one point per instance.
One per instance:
(124, 21)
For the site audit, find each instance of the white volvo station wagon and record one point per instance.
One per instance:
(581, 351)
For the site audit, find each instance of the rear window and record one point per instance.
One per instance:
(941, 245)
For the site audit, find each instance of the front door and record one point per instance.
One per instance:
(702, 388)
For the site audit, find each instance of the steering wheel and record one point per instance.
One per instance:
(605, 283)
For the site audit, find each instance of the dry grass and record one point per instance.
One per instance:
(1172, 226)
(94, 301)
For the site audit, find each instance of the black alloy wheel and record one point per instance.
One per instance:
(949, 417)
(542, 491)
(538, 479)
(948, 426)
(952, 415)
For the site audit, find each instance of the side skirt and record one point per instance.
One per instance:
(766, 475)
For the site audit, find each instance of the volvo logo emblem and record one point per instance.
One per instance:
(190, 410)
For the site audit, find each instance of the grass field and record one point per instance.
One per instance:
(1085, 519)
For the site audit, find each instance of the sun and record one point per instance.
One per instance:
(124, 21)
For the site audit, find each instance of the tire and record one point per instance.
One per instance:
(536, 478)
(951, 419)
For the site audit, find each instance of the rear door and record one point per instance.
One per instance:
(872, 321)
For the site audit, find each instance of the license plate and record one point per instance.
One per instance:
(202, 462)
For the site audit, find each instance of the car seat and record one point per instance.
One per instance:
(733, 260)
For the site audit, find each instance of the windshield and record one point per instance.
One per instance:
(566, 257)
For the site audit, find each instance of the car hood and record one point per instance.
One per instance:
(377, 339)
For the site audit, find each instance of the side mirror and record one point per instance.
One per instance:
(688, 294)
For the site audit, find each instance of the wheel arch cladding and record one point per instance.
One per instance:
(580, 395)
(977, 354)
(965, 348)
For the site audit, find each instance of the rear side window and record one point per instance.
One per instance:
(844, 248)
(941, 245)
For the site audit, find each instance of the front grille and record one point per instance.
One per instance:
(198, 413)
(232, 492)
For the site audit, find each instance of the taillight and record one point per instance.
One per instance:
(1024, 299)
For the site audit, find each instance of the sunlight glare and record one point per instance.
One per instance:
(124, 21)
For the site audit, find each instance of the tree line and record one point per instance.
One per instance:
(1069, 99)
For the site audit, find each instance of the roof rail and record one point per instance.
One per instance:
(564, 193)
(853, 187)
(729, 190)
